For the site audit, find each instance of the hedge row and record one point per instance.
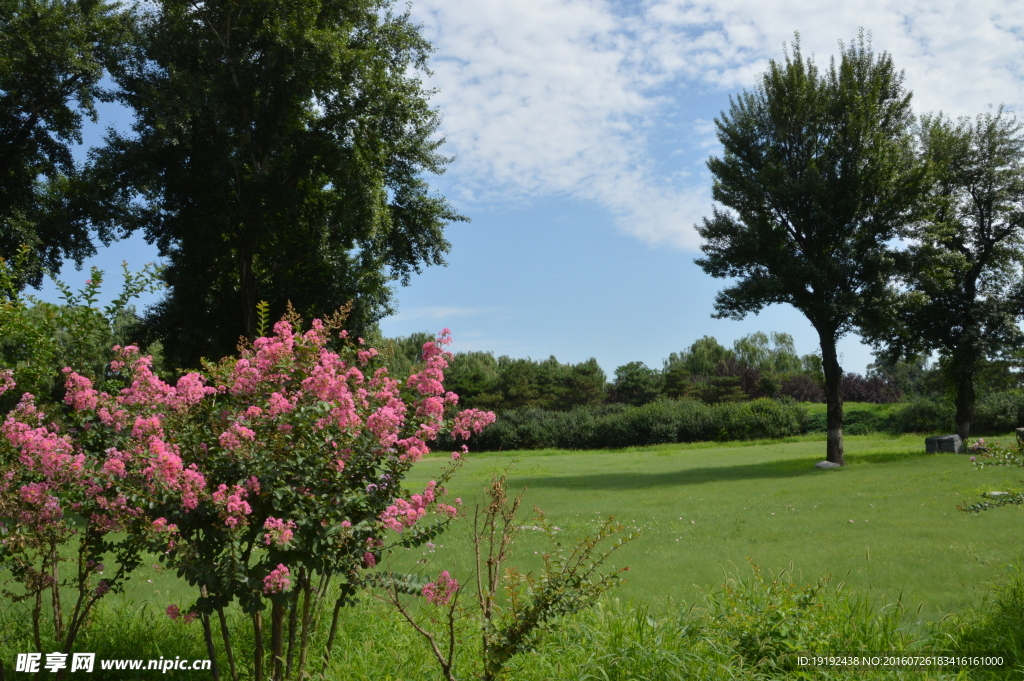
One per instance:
(665, 421)
(611, 426)
(993, 413)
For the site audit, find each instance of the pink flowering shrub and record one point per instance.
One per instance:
(440, 591)
(258, 480)
(278, 532)
(277, 580)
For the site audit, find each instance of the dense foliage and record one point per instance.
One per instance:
(38, 339)
(818, 175)
(278, 154)
(271, 480)
(963, 283)
(618, 425)
(53, 54)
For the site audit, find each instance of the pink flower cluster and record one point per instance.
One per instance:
(440, 591)
(80, 393)
(277, 581)
(42, 451)
(43, 508)
(174, 613)
(148, 389)
(403, 514)
(161, 526)
(471, 421)
(232, 505)
(278, 532)
(234, 437)
(278, 404)
(166, 468)
(6, 380)
(435, 359)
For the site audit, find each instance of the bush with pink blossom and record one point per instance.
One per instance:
(273, 479)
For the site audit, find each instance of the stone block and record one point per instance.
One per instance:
(827, 464)
(951, 444)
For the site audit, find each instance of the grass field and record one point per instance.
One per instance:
(886, 524)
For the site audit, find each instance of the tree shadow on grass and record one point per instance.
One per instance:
(783, 468)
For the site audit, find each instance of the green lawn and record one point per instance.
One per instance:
(886, 525)
(881, 409)
(703, 510)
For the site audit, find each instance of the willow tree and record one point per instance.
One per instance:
(279, 153)
(818, 175)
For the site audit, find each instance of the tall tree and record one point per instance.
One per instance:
(278, 155)
(53, 54)
(637, 384)
(964, 288)
(754, 351)
(818, 174)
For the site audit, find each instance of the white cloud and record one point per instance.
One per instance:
(437, 313)
(573, 97)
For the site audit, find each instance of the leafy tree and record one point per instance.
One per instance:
(474, 377)
(637, 384)
(702, 359)
(777, 354)
(519, 382)
(52, 56)
(547, 385)
(965, 290)
(818, 174)
(582, 384)
(912, 376)
(38, 339)
(278, 155)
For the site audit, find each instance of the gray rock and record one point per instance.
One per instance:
(827, 464)
(951, 444)
(997, 494)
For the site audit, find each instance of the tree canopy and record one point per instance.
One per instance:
(818, 173)
(963, 289)
(53, 54)
(278, 154)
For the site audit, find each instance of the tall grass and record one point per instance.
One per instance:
(751, 627)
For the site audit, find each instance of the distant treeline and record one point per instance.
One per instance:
(707, 392)
(611, 426)
(758, 365)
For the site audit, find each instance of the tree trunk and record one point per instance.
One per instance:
(833, 398)
(247, 289)
(257, 629)
(277, 639)
(961, 372)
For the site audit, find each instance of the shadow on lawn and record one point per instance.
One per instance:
(783, 468)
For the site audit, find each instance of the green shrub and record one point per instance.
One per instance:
(999, 412)
(922, 416)
(659, 422)
(768, 620)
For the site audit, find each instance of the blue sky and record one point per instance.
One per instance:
(581, 129)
